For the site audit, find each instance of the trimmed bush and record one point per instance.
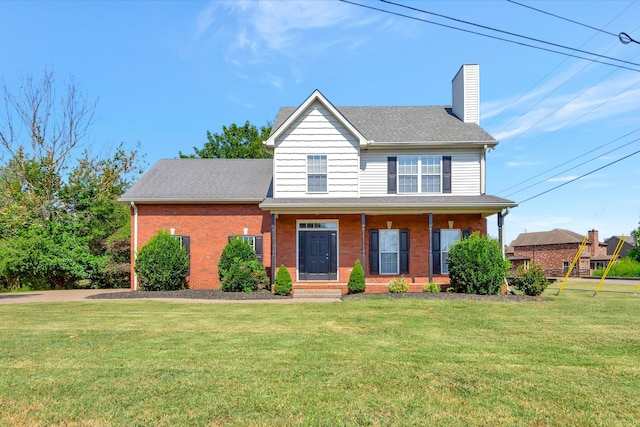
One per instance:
(260, 274)
(476, 265)
(239, 278)
(356, 279)
(236, 251)
(531, 281)
(399, 285)
(283, 283)
(432, 287)
(625, 267)
(162, 264)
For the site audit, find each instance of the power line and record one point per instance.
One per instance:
(487, 35)
(580, 177)
(571, 168)
(623, 37)
(563, 18)
(569, 161)
(508, 32)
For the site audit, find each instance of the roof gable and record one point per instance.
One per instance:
(293, 114)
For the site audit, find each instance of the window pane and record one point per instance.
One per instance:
(407, 165)
(430, 183)
(318, 183)
(408, 184)
(447, 238)
(431, 165)
(389, 263)
(388, 240)
(317, 174)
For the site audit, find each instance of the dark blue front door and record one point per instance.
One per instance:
(317, 257)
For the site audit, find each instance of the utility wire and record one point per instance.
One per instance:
(415, 9)
(569, 161)
(623, 37)
(566, 19)
(536, 84)
(572, 167)
(580, 177)
(487, 35)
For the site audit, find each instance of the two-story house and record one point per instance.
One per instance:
(392, 186)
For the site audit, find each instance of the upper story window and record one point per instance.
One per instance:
(317, 174)
(419, 174)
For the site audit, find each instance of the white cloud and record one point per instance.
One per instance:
(563, 178)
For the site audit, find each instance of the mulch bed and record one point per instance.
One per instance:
(265, 295)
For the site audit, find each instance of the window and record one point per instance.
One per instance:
(419, 174)
(447, 239)
(254, 241)
(185, 242)
(430, 174)
(317, 174)
(389, 252)
(408, 174)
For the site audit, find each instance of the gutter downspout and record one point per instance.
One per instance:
(364, 263)
(135, 244)
(430, 247)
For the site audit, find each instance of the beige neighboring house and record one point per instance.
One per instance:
(555, 250)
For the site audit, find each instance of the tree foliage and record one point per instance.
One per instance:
(58, 207)
(634, 253)
(162, 264)
(356, 282)
(283, 285)
(236, 251)
(235, 142)
(531, 281)
(476, 265)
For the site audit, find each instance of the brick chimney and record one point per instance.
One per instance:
(595, 243)
(465, 100)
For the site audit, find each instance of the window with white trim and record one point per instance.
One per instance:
(389, 248)
(419, 174)
(317, 174)
(251, 240)
(447, 238)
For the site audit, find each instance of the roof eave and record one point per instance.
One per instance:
(169, 201)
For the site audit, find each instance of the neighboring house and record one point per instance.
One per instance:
(392, 186)
(628, 244)
(555, 250)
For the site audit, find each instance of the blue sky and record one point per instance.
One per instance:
(166, 72)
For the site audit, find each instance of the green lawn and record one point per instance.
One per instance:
(570, 360)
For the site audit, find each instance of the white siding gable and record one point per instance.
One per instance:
(316, 132)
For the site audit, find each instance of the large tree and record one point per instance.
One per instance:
(58, 208)
(634, 253)
(235, 142)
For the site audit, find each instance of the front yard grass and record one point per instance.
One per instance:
(569, 360)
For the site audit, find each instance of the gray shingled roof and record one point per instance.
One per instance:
(485, 204)
(204, 181)
(556, 236)
(418, 124)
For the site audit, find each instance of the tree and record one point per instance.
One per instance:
(356, 282)
(634, 253)
(244, 142)
(58, 210)
(476, 265)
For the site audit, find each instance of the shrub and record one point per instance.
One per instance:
(399, 285)
(356, 279)
(283, 283)
(162, 264)
(236, 251)
(476, 265)
(260, 274)
(239, 278)
(432, 287)
(531, 281)
(625, 267)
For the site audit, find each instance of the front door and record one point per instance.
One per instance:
(317, 255)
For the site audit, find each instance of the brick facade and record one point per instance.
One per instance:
(209, 227)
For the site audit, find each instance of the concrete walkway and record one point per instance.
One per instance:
(82, 294)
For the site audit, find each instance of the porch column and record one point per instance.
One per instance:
(430, 246)
(273, 248)
(364, 265)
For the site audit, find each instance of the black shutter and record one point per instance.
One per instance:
(186, 244)
(446, 174)
(391, 175)
(258, 243)
(302, 268)
(404, 251)
(373, 251)
(466, 233)
(231, 238)
(435, 250)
